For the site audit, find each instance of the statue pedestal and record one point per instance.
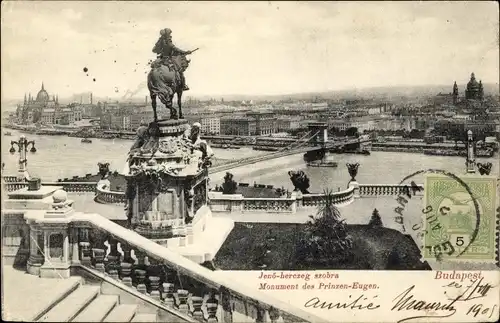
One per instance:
(166, 183)
(167, 192)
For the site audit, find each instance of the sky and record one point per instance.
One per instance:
(247, 47)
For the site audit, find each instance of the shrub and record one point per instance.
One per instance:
(326, 239)
(376, 220)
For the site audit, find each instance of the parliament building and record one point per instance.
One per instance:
(45, 110)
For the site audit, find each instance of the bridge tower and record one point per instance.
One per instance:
(322, 129)
(167, 185)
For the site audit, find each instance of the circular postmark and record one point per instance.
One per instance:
(431, 228)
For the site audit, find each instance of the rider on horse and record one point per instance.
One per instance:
(165, 49)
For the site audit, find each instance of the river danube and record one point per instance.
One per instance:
(64, 157)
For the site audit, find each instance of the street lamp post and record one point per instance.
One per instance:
(22, 145)
(471, 156)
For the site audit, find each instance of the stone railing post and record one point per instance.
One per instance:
(36, 258)
(299, 198)
(274, 315)
(56, 237)
(295, 205)
(85, 249)
(356, 188)
(189, 234)
(74, 242)
(113, 266)
(227, 306)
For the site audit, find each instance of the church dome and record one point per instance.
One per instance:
(42, 95)
(473, 84)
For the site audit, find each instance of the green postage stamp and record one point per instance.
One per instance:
(460, 217)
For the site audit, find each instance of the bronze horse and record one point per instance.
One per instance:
(164, 83)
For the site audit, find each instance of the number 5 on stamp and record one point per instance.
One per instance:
(462, 223)
(460, 241)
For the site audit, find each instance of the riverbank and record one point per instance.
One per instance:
(483, 153)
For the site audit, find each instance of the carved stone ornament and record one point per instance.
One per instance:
(152, 170)
(168, 146)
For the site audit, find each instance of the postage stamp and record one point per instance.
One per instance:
(460, 222)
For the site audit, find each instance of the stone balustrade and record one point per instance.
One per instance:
(238, 203)
(339, 198)
(73, 187)
(163, 275)
(235, 202)
(374, 190)
(271, 205)
(14, 186)
(10, 179)
(106, 196)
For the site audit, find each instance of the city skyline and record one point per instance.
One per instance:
(247, 48)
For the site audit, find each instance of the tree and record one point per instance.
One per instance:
(229, 186)
(376, 220)
(326, 241)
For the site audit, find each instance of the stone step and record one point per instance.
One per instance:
(98, 309)
(121, 313)
(69, 307)
(144, 317)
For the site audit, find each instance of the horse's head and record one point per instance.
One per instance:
(181, 62)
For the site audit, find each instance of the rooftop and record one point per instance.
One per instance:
(237, 118)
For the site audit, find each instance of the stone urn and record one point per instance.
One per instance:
(353, 171)
(34, 184)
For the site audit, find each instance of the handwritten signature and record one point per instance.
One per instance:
(407, 302)
(360, 303)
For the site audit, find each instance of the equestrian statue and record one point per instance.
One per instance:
(166, 77)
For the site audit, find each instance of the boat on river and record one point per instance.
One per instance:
(7, 133)
(343, 151)
(86, 141)
(321, 163)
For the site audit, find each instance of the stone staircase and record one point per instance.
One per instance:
(86, 303)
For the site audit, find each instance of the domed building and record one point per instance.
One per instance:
(474, 90)
(474, 94)
(42, 96)
(42, 109)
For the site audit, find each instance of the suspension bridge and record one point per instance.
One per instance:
(302, 145)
